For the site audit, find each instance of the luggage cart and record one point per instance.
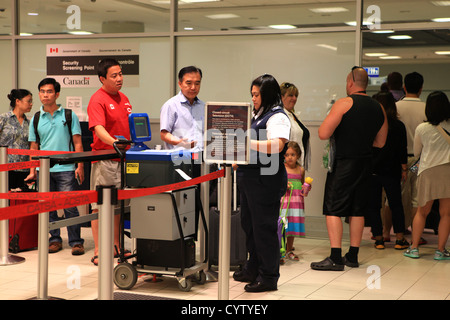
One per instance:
(125, 274)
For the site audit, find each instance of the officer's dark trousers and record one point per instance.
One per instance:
(260, 205)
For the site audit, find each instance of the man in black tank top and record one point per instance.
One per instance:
(357, 123)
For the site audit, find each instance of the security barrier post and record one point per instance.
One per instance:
(44, 186)
(224, 235)
(205, 203)
(106, 241)
(5, 257)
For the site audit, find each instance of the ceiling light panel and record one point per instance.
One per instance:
(383, 31)
(329, 10)
(375, 54)
(441, 19)
(353, 23)
(400, 37)
(441, 3)
(390, 57)
(222, 16)
(282, 26)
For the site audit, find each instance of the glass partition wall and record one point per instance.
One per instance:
(306, 43)
(312, 44)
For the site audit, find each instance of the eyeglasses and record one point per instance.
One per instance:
(355, 67)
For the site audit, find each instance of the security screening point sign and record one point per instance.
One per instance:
(75, 65)
(227, 133)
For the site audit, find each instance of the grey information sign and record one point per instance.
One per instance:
(227, 133)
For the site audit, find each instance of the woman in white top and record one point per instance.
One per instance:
(299, 133)
(432, 144)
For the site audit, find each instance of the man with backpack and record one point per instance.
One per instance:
(58, 129)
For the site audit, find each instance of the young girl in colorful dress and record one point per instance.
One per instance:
(293, 203)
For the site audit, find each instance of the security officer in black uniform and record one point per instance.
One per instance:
(261, 185)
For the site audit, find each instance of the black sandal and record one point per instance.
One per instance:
(93, 260)
(117, 255)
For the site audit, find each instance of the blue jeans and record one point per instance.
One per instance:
(65, 181)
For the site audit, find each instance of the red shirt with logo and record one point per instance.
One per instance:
(111, 112)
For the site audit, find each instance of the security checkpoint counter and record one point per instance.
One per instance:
(150, 168)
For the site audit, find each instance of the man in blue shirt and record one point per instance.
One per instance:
(54, 135)
(181, 123)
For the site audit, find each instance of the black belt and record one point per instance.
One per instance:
(410, 155)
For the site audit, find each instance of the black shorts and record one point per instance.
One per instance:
(347, 188)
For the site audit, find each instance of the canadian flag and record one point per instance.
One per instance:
(53, 50)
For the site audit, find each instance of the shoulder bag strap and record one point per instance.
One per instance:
(35, 125)
(68, 115)
(444, 134)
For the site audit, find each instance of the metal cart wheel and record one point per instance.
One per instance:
(125, 276)
(185, 284)
(200, 278)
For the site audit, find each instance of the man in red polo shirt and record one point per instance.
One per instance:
(108, 112)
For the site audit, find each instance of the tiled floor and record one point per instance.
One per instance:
(383, 274)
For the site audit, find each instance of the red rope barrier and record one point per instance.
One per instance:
(41, 195)
(135, 193)
(37, 153)
(19, 165)
(27, 164)
(32, 208)
(51, 201)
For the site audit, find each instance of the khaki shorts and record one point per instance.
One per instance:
(105, 173)
(432, 184)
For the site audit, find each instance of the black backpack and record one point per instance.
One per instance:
(68, 114)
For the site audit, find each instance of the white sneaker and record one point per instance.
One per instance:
(442, 255)
(411, 253)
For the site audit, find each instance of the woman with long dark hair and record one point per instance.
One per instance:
(261, 184)
(14, 132)
(389, 170)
